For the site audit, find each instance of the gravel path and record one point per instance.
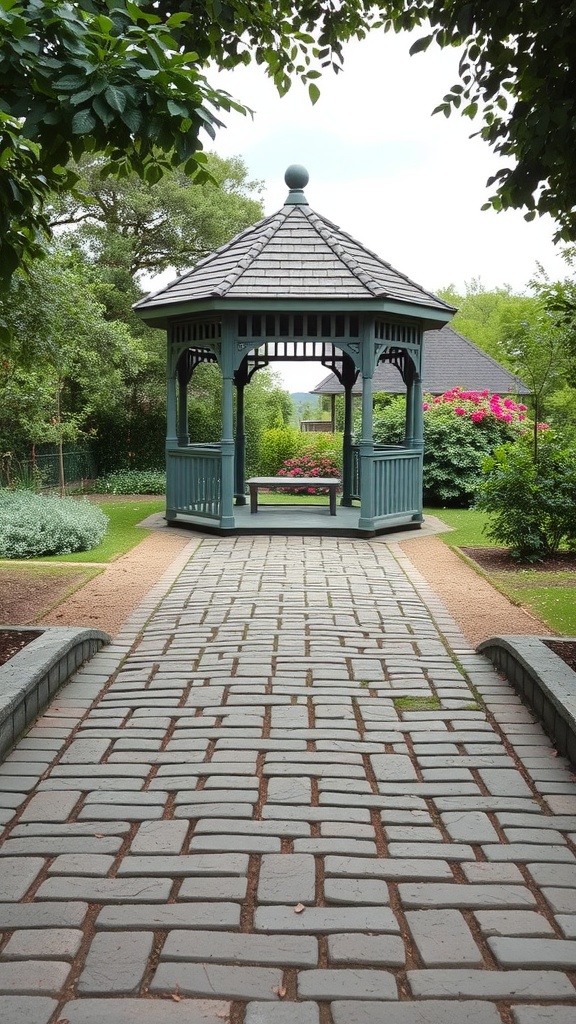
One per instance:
(107, 600)
(480, 610)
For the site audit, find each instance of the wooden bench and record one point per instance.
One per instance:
(329, 483)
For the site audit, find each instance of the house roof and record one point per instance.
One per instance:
(293, 254)
(449, 360)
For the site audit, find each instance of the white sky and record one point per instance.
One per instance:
(407, 185)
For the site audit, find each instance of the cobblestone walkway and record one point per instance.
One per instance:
(296, 797)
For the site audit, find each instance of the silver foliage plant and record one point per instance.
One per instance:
(36, 524)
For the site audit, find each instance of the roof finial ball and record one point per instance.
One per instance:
(296, 178)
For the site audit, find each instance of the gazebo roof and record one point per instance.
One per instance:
(295, 254)
(449, 360)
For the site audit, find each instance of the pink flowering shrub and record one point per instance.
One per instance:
(478, 405)
(309, 465)
(461, 429)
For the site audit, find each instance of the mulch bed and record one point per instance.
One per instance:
(12, 641)
(499, 560)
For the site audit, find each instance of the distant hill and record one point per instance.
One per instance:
(303, 396)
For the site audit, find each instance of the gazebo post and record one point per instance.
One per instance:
(366, 446)
(418, 418)
(171, 405)
(348, 380)
(171, 432)
(240, 442)
(409, 420)
(418, 437)
(227, 442)
(183, 433)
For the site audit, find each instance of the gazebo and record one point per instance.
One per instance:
(293, 287)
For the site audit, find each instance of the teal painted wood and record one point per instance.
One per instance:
(194, 481)
(160, 315)
(378, 449)
(397, 477)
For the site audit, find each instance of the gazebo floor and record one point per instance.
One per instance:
(294, 520)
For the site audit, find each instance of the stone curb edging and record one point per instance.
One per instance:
(32, 677)
(547, 684)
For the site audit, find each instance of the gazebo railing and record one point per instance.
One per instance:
(397, 476)
(378, 448)
(194, 480)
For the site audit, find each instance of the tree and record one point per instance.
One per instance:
(517, 69)
(127, 78)
(125, 229)
(266, 406)
(65, 361)
(141, 228)
(481, 312)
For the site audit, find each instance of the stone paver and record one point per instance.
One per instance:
(443, 938)
(27, 1009)
(229, 814)
(44, 943)
(421, 1012)
(145, 1011)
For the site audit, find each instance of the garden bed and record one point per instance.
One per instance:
(13, 640)
(499, 560)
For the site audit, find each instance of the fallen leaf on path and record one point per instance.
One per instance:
(280, 991)
(299, 908)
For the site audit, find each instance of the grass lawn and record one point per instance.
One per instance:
(550, 596)
(281, 498)
(467, 527)
(123, 532)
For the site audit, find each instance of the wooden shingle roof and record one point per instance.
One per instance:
(293, 254)
(449, 360)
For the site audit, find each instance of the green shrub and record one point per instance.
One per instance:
(282, 443)
(132, 481)
(277, 445)
(32, 525)
(461, 428)
(531, 503)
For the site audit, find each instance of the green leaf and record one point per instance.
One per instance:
(133, 119)
(177, 109)
(116, 98)
(313, 92)
(70, 82)
(103, 110)
(421, 44)
(175, 20)
(152, 174)
(83, 122)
